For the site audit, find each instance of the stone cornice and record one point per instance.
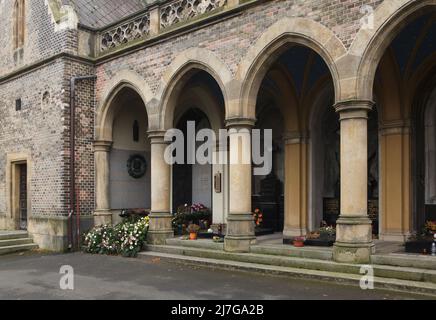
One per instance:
(102, 146)
(354, 109)
(157, 137)
(42, 63)
(240, 123)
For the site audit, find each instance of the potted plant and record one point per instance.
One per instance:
(299, 242)
(193, 231)
(421, 242)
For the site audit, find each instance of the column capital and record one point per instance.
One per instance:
(295, 137)
(157, 137)
(102, 146)
(240, 123)
(354, 109)
(395, 127)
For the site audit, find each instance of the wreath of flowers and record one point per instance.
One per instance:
(137, 166)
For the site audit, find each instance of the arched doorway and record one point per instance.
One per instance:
(295, 101)
(192, 183)
(403, 91)
(198, 104)
(425, 153)
(122, 153)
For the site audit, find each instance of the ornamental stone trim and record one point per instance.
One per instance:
(182, 10)
(125, 33)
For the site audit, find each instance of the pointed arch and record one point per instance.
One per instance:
(183, 66)
(278, 38)
(105, 113)
(371, 43)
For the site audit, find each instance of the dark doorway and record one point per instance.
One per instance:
(183, 173)
(22, 206)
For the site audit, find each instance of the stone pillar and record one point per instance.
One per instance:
(240, 224)
(102, 214)
(160, 217)
(295, 185)
(354, 234)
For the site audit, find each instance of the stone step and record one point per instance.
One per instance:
(291, 251)
(342, 278)
(6, 235)
(14, 242)
(385, 271)
(402, 260)
(17, 248)
(277, 250)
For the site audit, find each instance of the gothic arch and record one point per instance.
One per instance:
(272, 43)
(105, 112)
(371, 43)
(177, 74)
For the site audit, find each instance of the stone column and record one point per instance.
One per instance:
(160, 217)
(240, 224)
(295, 223)
(102, 214)
(354, 234)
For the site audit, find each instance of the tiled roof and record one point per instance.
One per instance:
(100, 13)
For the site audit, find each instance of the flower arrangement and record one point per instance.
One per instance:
(426, 234)
(125, 238)
(195, 213)
(430, 227)
(327, 232)
(258, 217)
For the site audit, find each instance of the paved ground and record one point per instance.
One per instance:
(36, 276)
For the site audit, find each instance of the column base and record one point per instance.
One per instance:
(353, 240)
(394, 236)
(240, 233)
(290, 233)
(102, 217)
(353, 253)
(160, 228)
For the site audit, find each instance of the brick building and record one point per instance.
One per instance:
(346, 86)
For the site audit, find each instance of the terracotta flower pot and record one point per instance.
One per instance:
(193, 236)
(298, 243)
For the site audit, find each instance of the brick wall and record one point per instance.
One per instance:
(37, 129)
(231, 38)
(42, 128)
(41, 39)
